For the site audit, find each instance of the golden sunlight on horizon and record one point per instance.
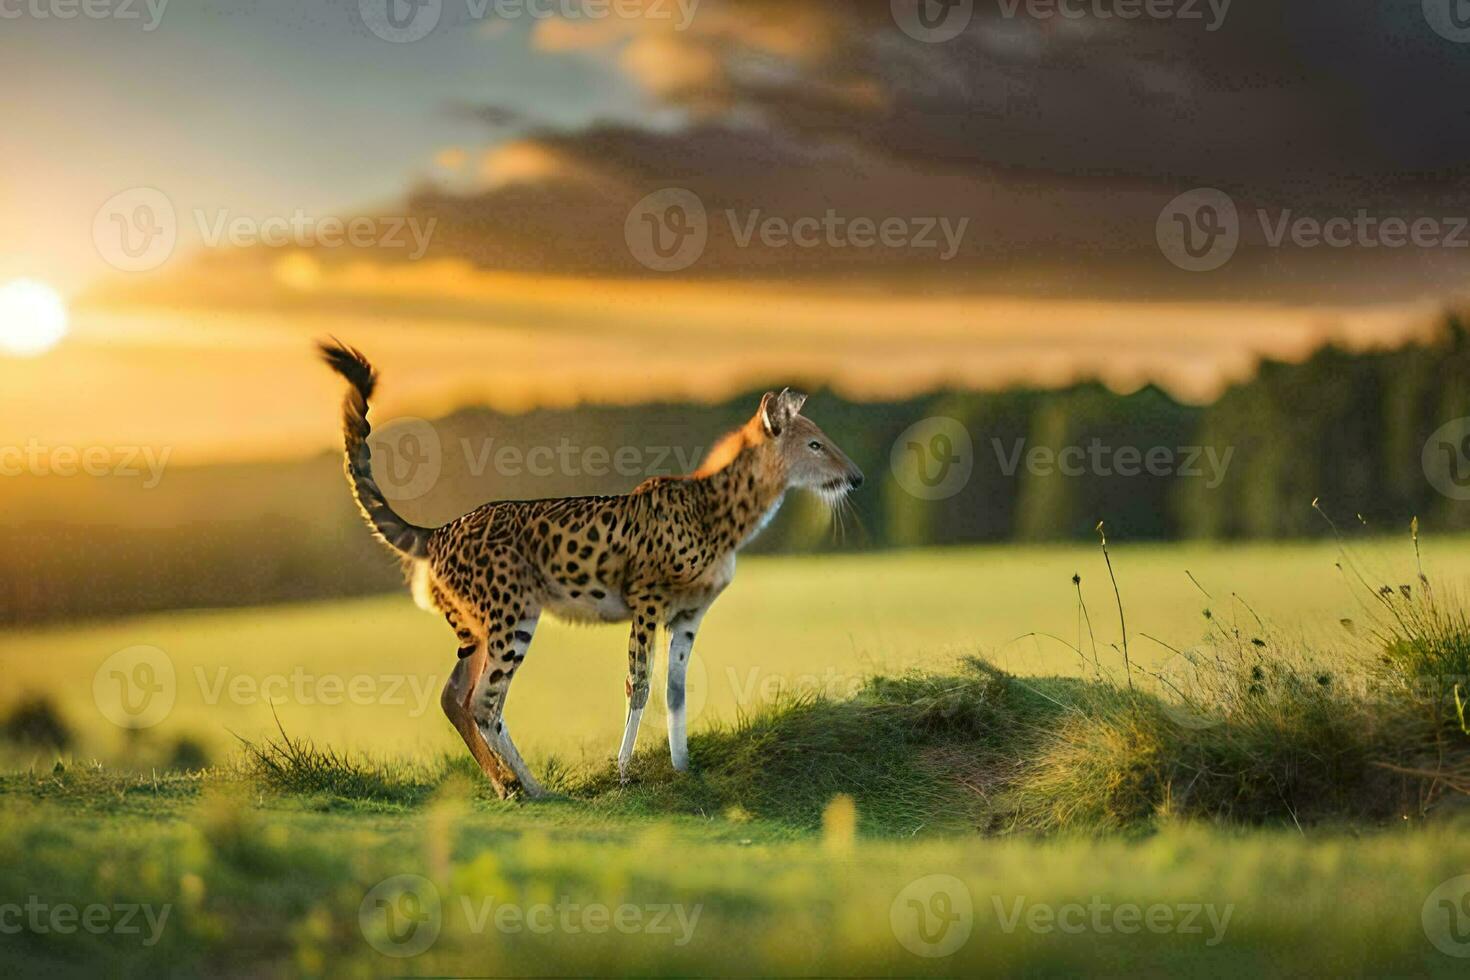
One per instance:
(33, 318)
(218, 365)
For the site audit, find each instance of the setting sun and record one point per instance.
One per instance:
(32, 317)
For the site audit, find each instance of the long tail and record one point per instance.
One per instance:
(409, 540)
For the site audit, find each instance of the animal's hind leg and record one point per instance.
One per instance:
(455, 700)
(646, 618)
(682, 628)
(510, 637)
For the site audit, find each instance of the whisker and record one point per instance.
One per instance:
(851, 509)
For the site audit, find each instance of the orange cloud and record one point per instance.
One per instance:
(557, 34)
(525, 161)
(665, 65)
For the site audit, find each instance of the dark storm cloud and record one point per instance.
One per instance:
(1280, 94)
(1059, 138)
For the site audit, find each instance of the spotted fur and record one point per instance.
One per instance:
(656, 557)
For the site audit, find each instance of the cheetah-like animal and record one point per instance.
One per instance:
(658, 556)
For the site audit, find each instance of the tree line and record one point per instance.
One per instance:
(1375, 435)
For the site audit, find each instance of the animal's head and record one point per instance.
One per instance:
(809, 459)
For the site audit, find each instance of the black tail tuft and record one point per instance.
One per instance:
(351, 364)
(407, 539)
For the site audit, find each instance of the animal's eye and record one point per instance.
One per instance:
(814, 446)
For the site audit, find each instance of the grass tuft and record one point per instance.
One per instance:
(300, 767)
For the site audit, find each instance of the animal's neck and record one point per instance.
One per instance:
(742, 495)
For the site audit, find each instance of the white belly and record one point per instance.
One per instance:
(587, 609)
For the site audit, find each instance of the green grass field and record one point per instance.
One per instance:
(365, 674)
(957, 821)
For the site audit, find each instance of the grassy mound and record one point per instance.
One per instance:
(1247, 729)
(979, 749)
(897, 748)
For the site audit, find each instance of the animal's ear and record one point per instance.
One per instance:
(777, 411)
(770, 414)
(792, 400)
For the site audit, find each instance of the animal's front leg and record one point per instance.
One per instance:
(640, 651)
(682, 628)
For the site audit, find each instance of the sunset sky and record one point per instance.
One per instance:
(522, 148)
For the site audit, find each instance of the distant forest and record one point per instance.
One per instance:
(1350, 428)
